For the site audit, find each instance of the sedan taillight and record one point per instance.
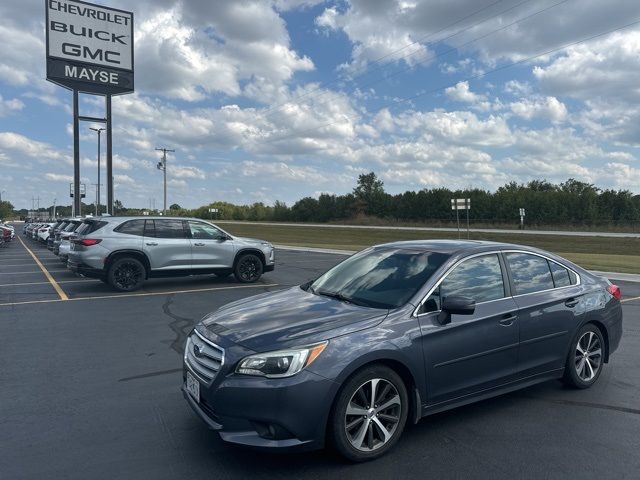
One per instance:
(615, 292)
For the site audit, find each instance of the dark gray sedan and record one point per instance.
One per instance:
(392, 334)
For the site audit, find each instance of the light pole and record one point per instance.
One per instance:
(99, 131)
(1, 192)
(162, 165)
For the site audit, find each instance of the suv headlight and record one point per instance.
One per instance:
(281, 363)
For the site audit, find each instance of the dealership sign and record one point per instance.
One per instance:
(89, 47)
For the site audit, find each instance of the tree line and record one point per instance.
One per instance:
(571, 203)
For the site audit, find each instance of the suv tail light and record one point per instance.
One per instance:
(88, 242)
(615, 292)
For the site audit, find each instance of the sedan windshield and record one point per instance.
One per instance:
(380, 278)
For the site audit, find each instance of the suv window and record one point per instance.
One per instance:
(204, 231)
(560, 275)
(479, 278)
(71, 227)
(170, 228)
(132, 227)
(530, 273)
(90, 226)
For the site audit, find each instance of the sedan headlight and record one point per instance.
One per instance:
(282, 363)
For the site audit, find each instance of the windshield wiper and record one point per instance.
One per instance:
(336, 295)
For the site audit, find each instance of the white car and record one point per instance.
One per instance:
(44, 232)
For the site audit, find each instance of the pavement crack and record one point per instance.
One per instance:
(181, 326)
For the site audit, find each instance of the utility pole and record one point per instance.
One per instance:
(97, 200)
(54, 208)
(1, 192)
(98, 131)
(162, 165)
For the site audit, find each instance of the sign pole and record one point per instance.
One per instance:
(458, 220)
(109, 157)
(77, 206)
(468, 205)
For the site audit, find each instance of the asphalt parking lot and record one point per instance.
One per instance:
(90, 388)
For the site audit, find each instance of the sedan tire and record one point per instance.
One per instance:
(369, 414)
(586, 358)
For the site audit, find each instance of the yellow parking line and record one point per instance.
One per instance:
(629, 299)
(54, 284)
(148, 294)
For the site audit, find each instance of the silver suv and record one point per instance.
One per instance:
(124, 251)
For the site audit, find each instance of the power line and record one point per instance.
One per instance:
(419, 40)
(456, 48)
(473, 77)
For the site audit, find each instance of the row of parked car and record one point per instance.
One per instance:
(125, 251)
(7, 233)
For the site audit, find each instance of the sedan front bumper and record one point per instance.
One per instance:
(286, 413)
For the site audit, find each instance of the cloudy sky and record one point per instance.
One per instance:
(275, 100)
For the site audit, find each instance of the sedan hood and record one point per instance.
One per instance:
(288, 318)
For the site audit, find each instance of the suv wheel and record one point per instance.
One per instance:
(369, 414)
(586, 357)
(248, 268)
(126, 274)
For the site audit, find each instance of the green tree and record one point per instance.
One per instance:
(370, 194)
(175, 206)
(6, 209)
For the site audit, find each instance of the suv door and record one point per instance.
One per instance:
(473, 352)
(166, 244)
(550, 308)
(210, 246)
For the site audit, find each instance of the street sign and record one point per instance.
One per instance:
(213, 210)
(83, 190)
(522, 212)
(460, 204)
(89, 47)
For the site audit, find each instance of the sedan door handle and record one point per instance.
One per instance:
(572, 302)
(508, 319)
(152, 244)
(199, 244)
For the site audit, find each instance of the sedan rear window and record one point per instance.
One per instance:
(380, 278)
(530, 273)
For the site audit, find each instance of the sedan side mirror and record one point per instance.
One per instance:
(455, 305)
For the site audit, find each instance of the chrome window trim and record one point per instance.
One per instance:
(495, 252)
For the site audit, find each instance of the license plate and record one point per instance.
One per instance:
(193, 387)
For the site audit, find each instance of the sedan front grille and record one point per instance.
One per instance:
(204, 358)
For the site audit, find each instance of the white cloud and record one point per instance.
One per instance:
(20, 144)
(57, 177)
(8, 107)
(548, 108)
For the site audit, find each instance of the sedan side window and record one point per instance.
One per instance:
(203, 231)
(479, 278)
(560, 275)
(530, 273)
